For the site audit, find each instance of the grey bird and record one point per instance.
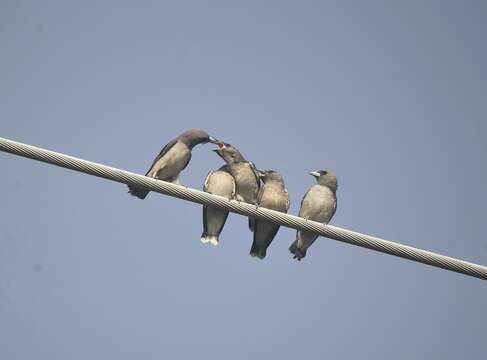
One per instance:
(272, 195)
(173, 158)
(247, 180)
(218, 182)
(318, 204)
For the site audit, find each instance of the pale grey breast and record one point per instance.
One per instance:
(318, 204)
(246, 181)
(275, 197)
(220, 183)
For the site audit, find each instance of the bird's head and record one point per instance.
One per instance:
(194, 137)
(228, 153)
(270, 175)
(326, 178)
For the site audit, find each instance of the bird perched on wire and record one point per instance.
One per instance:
(272, 195)
(247, 180)
(173, 158)
(217, 182)
(318, 204)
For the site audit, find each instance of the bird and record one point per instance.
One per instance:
(217, 182)
(272, 195)
(318, 204)
(173, 158)
(244, 172)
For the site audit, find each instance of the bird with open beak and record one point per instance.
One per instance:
(174, 158)
(272, 195)
(247, 180)
(318, 204)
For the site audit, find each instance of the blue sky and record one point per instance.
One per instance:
(388, 95)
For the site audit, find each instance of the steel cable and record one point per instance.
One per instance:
(189, 194)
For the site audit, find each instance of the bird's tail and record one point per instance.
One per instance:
(294, 247)
(251, 224)
(298, 253)
(257, 252)
(212, 239)
(138, 192)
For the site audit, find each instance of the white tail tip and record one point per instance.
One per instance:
(205, 240)
(213, 240)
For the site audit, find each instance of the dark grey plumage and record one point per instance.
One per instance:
(218, 182)
(244, 172)
(272, 195)
(318, 204)
(173, 158)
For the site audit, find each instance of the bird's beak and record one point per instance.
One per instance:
(316, 174)
(213, 140)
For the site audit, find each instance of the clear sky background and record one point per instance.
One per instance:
(390, 95)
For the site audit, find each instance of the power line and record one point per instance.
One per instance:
(189, 194)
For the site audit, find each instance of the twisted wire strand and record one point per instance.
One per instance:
(200, 197)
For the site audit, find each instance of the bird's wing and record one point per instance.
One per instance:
(288, 200)
(254, 170)
(234, 188)
(205, 208)
(334, 210)
(207, 179)
(259, 194)
(163, 152)
(302, 200)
